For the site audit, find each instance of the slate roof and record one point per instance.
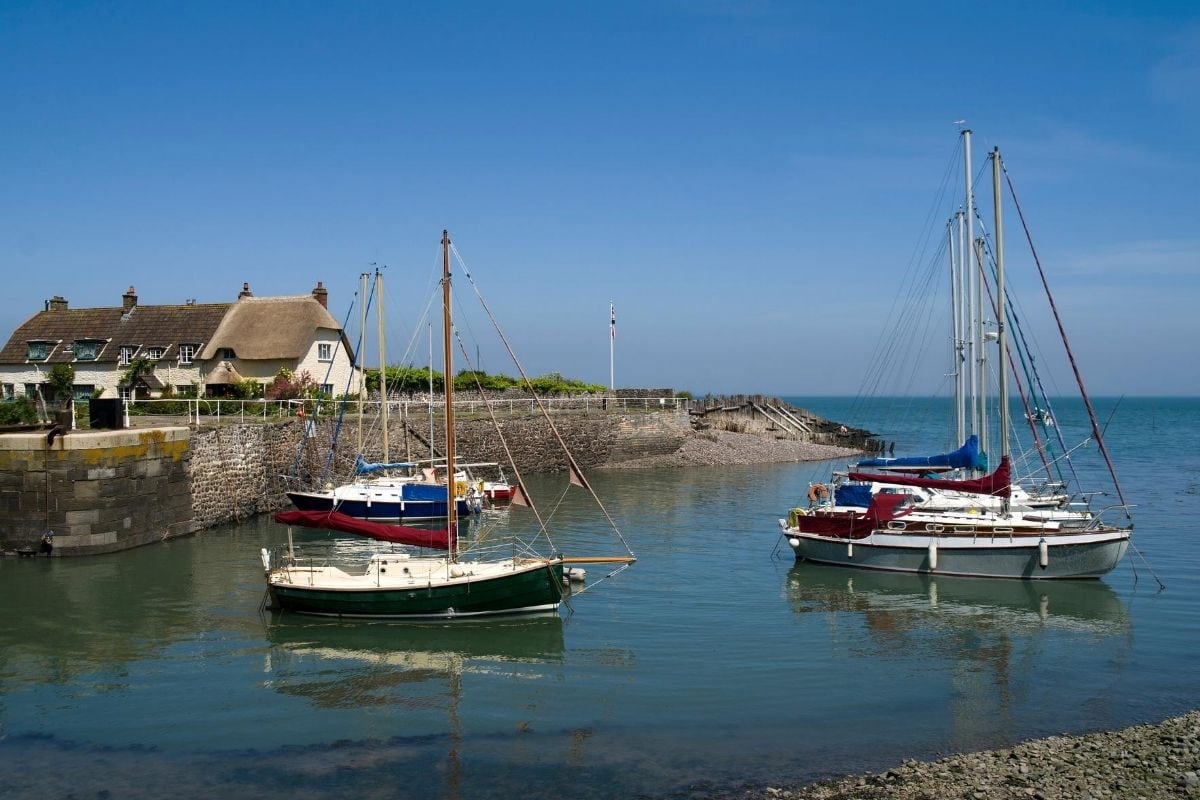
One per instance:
(143, 327)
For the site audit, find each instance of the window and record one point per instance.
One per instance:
(185, 390)
(325, 352)
(31, 390)
(125, 393)
(327, 389)
(87, 349)
(38, 350)
(154, 353)
(82, 391)
(10, 391)
(126, 356)
(226, 353)
(186, 353)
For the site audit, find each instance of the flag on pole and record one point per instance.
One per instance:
(612, 317)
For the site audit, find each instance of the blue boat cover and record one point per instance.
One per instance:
(423, 491)
(366, 468)
(965, 457)
(852, 494)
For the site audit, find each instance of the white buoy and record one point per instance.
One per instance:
(849, 549)
(933, 554)
(456, 571)
(577, 574)
(1043, 554)
(794, 542)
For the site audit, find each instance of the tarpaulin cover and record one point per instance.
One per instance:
(965, 457)
(852, 524)
(852, 494)
(423, 491)
(337, 521)
(997, 484)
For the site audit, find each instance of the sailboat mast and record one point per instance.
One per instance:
(1001, 340)
(972, 276)
(980, 320)
(383, 390)
(955, 361)
(362, 343)
(960, 375)
(447, 365)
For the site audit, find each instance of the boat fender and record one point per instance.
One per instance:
(456, 571)
(266, 559)
(817, 492)
(1043, 554)
(794, 542)
(576, 574)
(849, 549)
(932, 554)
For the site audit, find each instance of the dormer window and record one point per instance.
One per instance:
(126, 356)
(155, 353)
(186, 353)
(38, 350)
(226, 353)
(88, 349)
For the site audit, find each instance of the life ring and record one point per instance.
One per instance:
(817, 492)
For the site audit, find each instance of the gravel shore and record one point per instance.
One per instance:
(1145, 761)
(719, 448)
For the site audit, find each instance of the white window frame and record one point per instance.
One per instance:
(187, 353)
(126, 354)
(155, 353)
(324, 351)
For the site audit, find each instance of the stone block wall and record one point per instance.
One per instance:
(97, 491)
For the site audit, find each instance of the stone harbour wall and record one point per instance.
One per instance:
(236, 471)
(96, 491)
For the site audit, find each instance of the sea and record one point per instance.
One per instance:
(713, 665)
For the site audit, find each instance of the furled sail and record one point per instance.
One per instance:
(362, 467)
(997, 484)
(965, 457)
(438, 539)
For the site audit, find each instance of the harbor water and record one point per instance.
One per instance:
(713, 664)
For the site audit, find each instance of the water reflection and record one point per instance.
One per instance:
(345, 664)
(894, 601)
(999, 646)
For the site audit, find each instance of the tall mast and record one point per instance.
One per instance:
(960, 375)
(972, 275)
(447, 365)
(955, 343)
(383, 390)
(362, 343)
(1001, 355)
(981, 337)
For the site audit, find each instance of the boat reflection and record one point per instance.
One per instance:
(886, 599)
(340, 664)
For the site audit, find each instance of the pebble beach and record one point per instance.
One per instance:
(1142, 762)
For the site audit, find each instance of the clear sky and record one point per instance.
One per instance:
(745, 179)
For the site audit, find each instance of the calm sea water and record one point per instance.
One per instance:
(713, 663)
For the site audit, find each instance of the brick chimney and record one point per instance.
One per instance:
(322, 294)
(56, 303)
(128, 300)
(245, 292)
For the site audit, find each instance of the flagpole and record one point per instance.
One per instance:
(612, 340)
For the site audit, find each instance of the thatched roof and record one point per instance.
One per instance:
(144, 327)
(271, 328)
(224, 373)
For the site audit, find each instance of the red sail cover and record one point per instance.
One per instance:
(998, 484)
(337, 521)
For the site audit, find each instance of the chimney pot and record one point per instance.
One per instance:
(128, 300)
(245, 292)
(56, 303)
(321, 294)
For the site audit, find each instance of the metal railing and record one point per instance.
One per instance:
(195, 409)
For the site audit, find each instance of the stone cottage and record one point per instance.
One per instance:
(194, 348)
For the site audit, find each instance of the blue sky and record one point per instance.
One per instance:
(746, 181)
